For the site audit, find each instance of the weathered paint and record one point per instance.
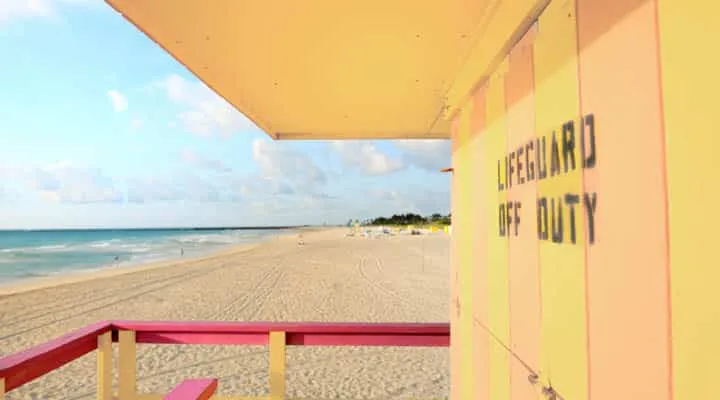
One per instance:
(563, 349)
(629, 310)
(523, 251)
(22, 367)
(193, 389)
(462, 253)
(104, 366)
(363, 69)
(277, 343)
(480, 244)
(502, 24)
(493, 142)
(455, 306)
(690, 85)
(466, 255)
(127, 364)
(628, 316)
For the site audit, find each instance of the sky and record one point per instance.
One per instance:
(99, 127)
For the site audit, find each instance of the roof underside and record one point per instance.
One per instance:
(321, 69)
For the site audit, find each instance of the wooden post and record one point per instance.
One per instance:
(277, 365)
(104, 366)
(127, 365)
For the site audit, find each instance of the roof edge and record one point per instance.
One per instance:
(344, 136)
(255, 120)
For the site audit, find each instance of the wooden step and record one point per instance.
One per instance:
(193, 389)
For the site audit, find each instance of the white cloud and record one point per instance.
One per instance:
(384, 194)
(279, 163)
(307, 208)
(181, 187)
(204, 112)
(258, 186)
(366, 157)
(282, 172)
(148, 190)
(68, 183)
(415, 199)
(65, 182)
(22, 9)
(284, 177)
(15, 9)
(118, 100)
(430, 155)
(83, 2)
(136, 124)
(191, 157)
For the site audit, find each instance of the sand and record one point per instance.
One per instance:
(332, 278)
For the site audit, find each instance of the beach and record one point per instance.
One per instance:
(331, 278)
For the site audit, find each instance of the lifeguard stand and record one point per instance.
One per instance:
(585, 152)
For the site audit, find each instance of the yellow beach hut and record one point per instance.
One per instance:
(585, 150)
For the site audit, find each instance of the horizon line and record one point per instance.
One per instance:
(197, 228)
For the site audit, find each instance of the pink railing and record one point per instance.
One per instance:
(20, 368)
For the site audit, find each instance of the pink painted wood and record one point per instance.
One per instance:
(25, 366)
(193, 389)
(297, 334)
(300, 327)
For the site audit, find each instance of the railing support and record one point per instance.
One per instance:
(18, 369)
(277, 365)
(104, 366)
(127, 365)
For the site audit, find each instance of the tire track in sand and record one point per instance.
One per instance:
(384, 290)
(273, 275)
(85, 299)
(240, 303)
(78, 310)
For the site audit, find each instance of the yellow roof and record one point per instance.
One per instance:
(321, 69)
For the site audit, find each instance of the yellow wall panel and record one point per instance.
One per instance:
(504, 22)
(498, 291)
(482, 198)
(563, 353)
(456, 348)
(690, 87)
(462, 276)
(627, 284)
(524, 278)
(466, 256)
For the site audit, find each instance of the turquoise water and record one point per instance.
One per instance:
(28, 254)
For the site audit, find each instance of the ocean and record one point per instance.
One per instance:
(29, 254)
